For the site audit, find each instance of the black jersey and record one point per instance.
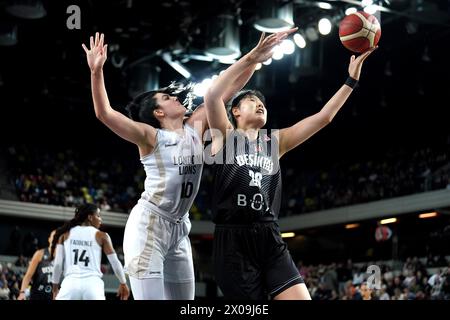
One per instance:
(41, 288)
(247, 180)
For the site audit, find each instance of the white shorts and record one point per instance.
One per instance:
(157, 247)
(87, 288)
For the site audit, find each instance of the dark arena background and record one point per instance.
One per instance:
(371, 190)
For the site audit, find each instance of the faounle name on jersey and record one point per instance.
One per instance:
(81, 243)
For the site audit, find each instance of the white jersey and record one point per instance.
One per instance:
(173, 171)
(82, 253)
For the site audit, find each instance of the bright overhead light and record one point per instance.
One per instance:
(288, 235)
(277, 53)
(371, 9)
(324, 26)
(389, 220)
(324, 5)
(267, 62)
(287, 46)
(201, 88)
(351, 225)
(350, 10)
(299, 40)
(428, 215)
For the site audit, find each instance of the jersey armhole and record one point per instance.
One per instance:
(156, 145)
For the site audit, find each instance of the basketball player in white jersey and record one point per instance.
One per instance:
(79, 252)
(157, 249)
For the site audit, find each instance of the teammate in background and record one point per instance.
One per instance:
(79, 252)
(157, 250)
(39, 272)
(250, 257)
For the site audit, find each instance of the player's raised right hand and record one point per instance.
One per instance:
(97, 54)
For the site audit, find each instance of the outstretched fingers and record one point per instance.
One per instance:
(85, 48)
(261, 39)
(102, 39)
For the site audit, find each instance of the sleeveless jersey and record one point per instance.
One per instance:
(173, 171)
(42, 278)
(247, 180)
(82, 253)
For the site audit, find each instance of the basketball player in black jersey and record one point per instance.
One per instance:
(39, 272)
(251, 259)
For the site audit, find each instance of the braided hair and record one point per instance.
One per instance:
(81, 214)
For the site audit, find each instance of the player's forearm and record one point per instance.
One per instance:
(240, 82)
(333, 105)
(99, 94)
(236, 76)
(25, 283)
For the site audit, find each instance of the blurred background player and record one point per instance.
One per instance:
(78, 252)
(39, 273)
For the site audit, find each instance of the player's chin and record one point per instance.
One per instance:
(260, 121)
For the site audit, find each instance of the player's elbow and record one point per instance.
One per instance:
(324, 119)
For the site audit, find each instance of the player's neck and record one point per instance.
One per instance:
(250, 133)
(173, 124)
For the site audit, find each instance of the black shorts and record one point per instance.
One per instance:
(252, 261)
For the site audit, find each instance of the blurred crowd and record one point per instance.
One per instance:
(68, 179)
(414, 279)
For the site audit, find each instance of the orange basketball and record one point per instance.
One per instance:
(359, 31)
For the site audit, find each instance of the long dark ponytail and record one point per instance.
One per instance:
(81, 214)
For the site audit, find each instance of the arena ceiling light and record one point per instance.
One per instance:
(324, 5)
(371, 9)
(324, 26)
(287, 46)
(288, 235)
(26, 9)
(299, 40)
(389, 220)
(274, 16)
(277, 53)
(201, 88)
(350, 10)
(267, 62)
(428, 215)
(223, 41)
